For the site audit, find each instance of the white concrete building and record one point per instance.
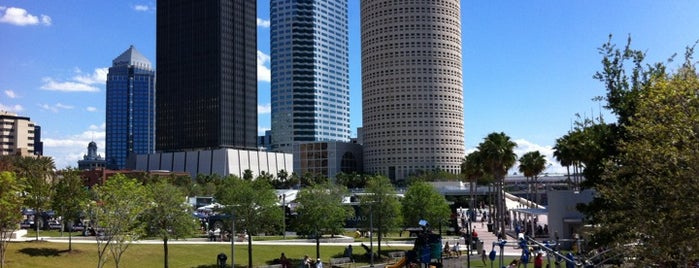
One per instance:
(221, 161)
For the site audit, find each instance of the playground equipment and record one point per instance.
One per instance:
(427, 246)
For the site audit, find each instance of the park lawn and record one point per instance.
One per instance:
(38, 254)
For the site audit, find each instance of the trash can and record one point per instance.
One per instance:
(490, 227)
(479, 246)
(221, 260)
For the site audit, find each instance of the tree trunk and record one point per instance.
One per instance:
(165, 253)
(70, 239)
(249, 251)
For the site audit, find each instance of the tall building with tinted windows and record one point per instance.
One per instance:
(130, 109)
(412, 87)
(207, 75)
(310, 72)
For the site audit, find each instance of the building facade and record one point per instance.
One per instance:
(327, 158)
(310, 72)
(18, 135)
(412, 87)
(92, 160)
(130, 108)
(222, 162)
(207, 75)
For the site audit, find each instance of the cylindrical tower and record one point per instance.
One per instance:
(412, 87)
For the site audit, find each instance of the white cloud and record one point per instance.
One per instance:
(524, 146)
(79, 83)
(263, 72)
(10, 94)
(46, 20)
(99, 76)
(91, 109)
(20, 17)
(14, 108)
(51, 85)
(141, 8)
(262, 23)
(66, 151)
(96, 127)
(56, 107)
(264, 108)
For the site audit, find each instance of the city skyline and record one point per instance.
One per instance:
(527, 66)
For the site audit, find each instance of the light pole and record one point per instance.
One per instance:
(284, 215)
(232, 237)
(371, 233)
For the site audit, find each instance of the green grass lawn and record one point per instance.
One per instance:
(50, 255)
(39, 254)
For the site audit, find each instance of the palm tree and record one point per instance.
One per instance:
(497, 155)
(472, 169)
(531, 164)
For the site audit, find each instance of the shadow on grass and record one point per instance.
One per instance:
(42, 252)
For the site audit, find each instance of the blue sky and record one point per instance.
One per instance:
(528, 65)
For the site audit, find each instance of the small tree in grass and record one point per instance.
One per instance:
(169, 216)
(10, 207)
(119, 205)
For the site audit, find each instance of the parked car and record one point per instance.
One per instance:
(54, 224)
(26, 224)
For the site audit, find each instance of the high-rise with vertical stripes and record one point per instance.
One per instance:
(130, 108)
(207, 75)
(412, 87)
(310, 72)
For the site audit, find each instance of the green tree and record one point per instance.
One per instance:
(169, 216)
(382, 205)
(38, 175)
(321, 211)
(117, 210)
(424, 202)
(531, 164)
(253, 205)
(497, 153)
(351, 180)
(647, 188)
(70, 199)
(247, 175)
(10, 204)
(472, 170)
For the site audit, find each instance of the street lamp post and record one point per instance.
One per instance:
(232, 237)
(371, 234)
(284, 215)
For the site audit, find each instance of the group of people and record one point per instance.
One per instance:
(307, 262)
(454, 251)
(538, 262)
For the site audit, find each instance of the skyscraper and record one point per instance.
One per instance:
(130, 108)
(207, 75)
(412, 87)
(310, 72)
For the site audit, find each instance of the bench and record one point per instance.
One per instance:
(395, 255)
(340, 262)
(271, 266)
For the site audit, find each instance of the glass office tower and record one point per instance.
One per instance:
(207, 75)
(310, 72)
(130, 114)
(412, 87)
